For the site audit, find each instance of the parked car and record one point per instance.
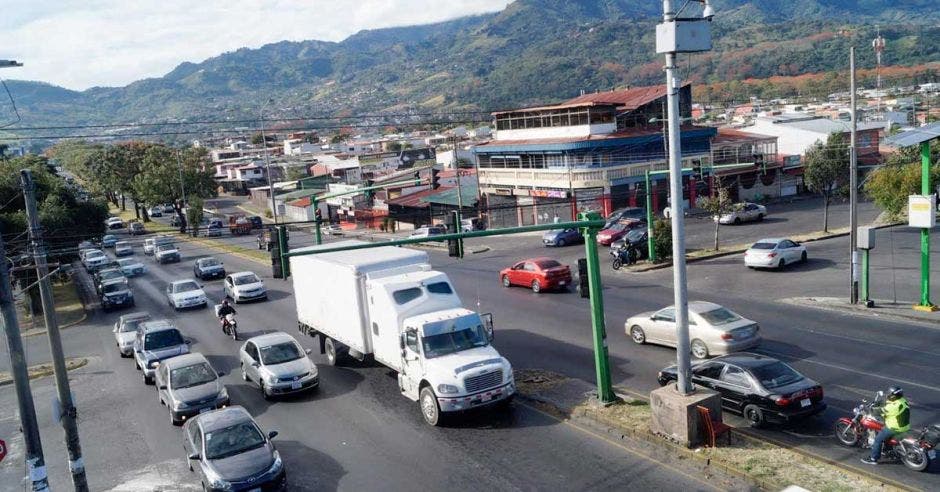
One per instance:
(228, 451)
(636, 237)
(183, 294)
(208, 268)
(562, 237)
(713, 329)
(774, 253)
(155, 211)
(761, 388)
(105, 275)
(136, 229)
(277, 364)
(114, 223)
(256, 222)
(125, 331)
(156, 341)
(188, 385)
(428, 232)
(244, 286)
(131, 267)
(108, 241)
(332, 230)
(472, 224)
(626, 213)
(169, 209)
(123, 248)
(115, 294)
(166, 253)
(743, 212)
(537, 273)
(617, 231)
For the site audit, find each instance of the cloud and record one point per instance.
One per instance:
(80, 44)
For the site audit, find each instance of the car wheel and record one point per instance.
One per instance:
(536, 286)
(637, 335)
(136, 364)
(174, 422)
(754, 416)
(760, 217)
(737, 221)
(782, 263)
(264, 392)
(244, 373)
(506, 282)
(560, 243)
(429, 409)
(803, 257)
(148, 380)
(699, 349)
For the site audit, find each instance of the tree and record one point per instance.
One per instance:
(889, 186)
(257, 139)
(194, 214)
(159, 179)
(826, 170)
(717, 205)
(297, 172)
(662, 239)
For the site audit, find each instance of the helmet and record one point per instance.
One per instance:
(895, 392)
(225, 302)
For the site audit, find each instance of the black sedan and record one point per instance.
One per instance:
(228, 451)
(762, 389)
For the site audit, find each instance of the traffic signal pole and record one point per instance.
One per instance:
(591, 223)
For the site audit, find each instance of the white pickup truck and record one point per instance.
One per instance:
(389, 304)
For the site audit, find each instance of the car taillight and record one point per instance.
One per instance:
(727, 336)
(771, 255)
(782, 401)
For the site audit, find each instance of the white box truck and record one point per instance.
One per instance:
(388, 303)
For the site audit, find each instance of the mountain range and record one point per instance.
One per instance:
(532, 52)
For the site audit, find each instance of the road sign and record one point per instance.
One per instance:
(3, 450)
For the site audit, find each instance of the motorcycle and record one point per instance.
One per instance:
(627, 254)
(230, 326)
(915, 449)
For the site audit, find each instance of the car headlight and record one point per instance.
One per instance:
(154, 364)
(447, 389)
(276, 466)
(223, 395)
(218, 483)
(181, 405)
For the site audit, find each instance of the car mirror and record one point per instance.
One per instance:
(220, 374)
(255, 364)
(162, 386)
(115, 330)
(193, 456)
(488, 325)
(188, 342)
(307, 351)
(401, 343)
(272, 434)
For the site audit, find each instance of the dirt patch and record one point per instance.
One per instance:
(42, 370)
(68, 307)
(533, 381)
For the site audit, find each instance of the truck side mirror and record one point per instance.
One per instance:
(401, 341)
(488, 325)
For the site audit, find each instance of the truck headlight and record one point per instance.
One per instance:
(181, 405)
(447, 389)
(154, 364)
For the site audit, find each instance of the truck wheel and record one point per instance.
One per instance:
(331, 356)
(429, 409)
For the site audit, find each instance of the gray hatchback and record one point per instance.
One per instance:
(188, 385)
(228, 451)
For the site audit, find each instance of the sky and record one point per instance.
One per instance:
(79, 44)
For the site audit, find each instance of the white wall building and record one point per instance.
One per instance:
(797, 132)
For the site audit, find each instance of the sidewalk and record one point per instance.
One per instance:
(886, 309)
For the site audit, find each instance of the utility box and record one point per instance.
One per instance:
(683, 36)
(865, 238)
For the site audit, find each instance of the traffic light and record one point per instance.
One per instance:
(435, 178)
(454, 246)
(318, 216)
(276, 271)
(583, 288)
(280, 267)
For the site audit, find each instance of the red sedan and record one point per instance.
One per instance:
(537, 273)
(616, 231)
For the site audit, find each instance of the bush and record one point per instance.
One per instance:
(662, 239)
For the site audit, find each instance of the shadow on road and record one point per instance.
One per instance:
(307, 468)
(527, 350)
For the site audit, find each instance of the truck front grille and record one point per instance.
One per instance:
(483, 381)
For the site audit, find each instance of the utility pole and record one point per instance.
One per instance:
(267, 163)
(179, 164)
(853, 187)
(459, 197)
(69, 415)
(35, 463)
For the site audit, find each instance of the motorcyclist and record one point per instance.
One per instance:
(224, 311)
(897, 414)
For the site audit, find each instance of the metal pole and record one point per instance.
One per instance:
(865, 269)
(179, 163)
(35, 462)
(69, 415)
(683, 368)
(925, 232)
(605, 392)
(853, 188)
(267, 164)
(459, 197)
(316, 208)
(650, 245)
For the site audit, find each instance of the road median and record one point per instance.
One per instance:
(761, 463)
(42, 370)
(69, 308)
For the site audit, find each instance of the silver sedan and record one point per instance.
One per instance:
(188, 385)
(713, 329)
(277, 364)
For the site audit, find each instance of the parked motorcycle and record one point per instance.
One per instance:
(915, 449)
(628, 254)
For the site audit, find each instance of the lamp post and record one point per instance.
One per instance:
(267, 161)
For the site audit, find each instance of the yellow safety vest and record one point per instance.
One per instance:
(898, 415)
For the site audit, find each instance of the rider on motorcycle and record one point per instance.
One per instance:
(897, 414)
(224, 311)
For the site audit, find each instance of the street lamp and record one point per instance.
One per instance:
(267, 161)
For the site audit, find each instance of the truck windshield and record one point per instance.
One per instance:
(453, 335)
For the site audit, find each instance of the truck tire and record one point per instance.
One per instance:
(429, 408)
(331, 355)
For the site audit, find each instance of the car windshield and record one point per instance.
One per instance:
(246, 279)
(161, 339)
(546, 264)
(208, 262)
(113, 287)
(132, 324)
(453, 335)
(619, 226)
(165, 247)
(232, 440)
(94, 254)
(719, 316)
(635, 234)
(122, 244)
(185, 287)
(110, 274)
(280, 353)
(764, 246)
(775, 375)
(109, 238)
(126, 262)
(194, 375)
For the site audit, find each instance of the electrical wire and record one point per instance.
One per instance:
(13, 103)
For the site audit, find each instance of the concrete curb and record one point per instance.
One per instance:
(860, 310)
(44, 370)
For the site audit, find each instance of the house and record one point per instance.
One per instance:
(797, 132)
(746, 165)
(587, 153)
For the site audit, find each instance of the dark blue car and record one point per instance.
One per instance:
(562, 237)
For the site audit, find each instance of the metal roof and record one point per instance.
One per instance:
(915, 136)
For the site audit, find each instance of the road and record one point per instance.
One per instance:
(355, 433)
